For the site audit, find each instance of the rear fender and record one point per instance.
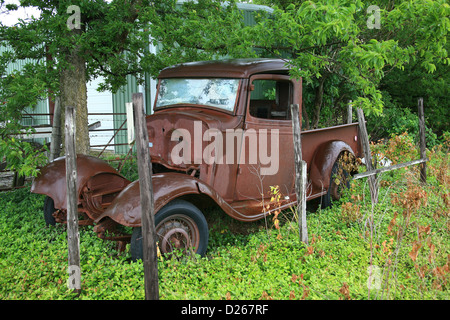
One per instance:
(51, 180)
(323, 161)
(126, 207)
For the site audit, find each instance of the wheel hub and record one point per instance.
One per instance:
(176, 238)
(178, 232)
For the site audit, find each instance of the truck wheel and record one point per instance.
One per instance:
(49, 209)
(339, 181)
(179, 226)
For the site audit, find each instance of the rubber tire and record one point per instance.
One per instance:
(327, 200)
(49, 208)
(174, 207)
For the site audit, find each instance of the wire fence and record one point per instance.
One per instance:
(102, 127)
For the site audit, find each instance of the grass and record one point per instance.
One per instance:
(403, 242)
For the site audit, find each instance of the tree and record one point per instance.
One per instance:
(405, 86)
(74, 41)
(68, 33)
(343, 49)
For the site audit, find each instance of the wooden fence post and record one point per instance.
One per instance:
(349, 112)
(147, 201)
(423, 153)
(55, 144)
(367, 155)
(300, 174)
(73, 237)
(130, 122)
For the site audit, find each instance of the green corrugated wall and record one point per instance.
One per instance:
(122, 96)
(42, 105)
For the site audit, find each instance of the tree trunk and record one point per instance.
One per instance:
(305, 117)
(318, 102)
(55, 145)
(74, 93)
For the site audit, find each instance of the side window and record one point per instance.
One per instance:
(270, 99)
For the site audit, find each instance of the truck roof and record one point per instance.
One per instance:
(229, 68)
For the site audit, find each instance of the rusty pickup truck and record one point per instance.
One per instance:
(220, 135)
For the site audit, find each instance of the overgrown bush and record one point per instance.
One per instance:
(125, 165)
(395, 121)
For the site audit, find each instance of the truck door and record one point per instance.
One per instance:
(267, 153)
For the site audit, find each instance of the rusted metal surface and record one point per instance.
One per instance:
(97, 183)
(234, 68)
(178, 232)
(125, 208)
(161, 125)
(327, 145)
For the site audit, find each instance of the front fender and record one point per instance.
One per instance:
(51, 180)
(323, 162)
(126, 207)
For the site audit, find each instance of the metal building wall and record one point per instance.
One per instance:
(41, 106)
(120, 98)
(100, 108)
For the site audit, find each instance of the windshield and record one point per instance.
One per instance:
(218, 93)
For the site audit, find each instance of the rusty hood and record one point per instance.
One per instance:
(173, 129)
